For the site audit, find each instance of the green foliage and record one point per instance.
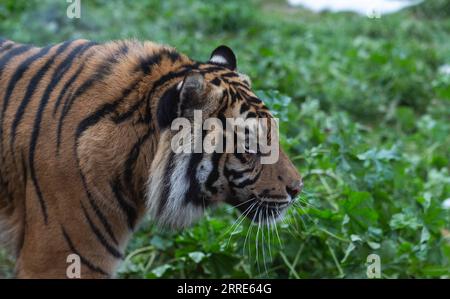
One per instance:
(364, 109)
(6, 265)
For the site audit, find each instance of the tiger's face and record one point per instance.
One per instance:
(258, 180)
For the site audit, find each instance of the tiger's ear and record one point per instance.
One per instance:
(224, 56)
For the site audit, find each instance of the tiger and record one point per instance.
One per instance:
(85, 134)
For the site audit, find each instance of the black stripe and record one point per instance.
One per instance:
(11, 54)
(229, 75)
(241, 86)
(98, 212)
(216, 81)
(56, 78)
(233, 95)
(165, 192)
(146, 65)
(212, 69)
(193, 195)
(247, 181)
(253, 100)
(128, 209)
(167, 109)
(267, 193)
(173, 55)
(235, 174)
(244, 107)
(164, 79)
(20, 70)
(124, 116)
(83, 260)
(85, 124)
(69, 83)
(104, 110)
(171, 75)
(111, 249)
(214, 175)
(12, 83)
(5, 189)
(251, 115)
(102, 71)
(7, 47)
(32, 86)
(3, 62)
(20, 112)
(95, 117)
(161, 81)
(94, 206)
(24, 207)
(130, 163)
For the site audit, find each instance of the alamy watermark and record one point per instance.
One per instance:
(74, 268)
(373, 266)
(73, 9)
(251, 135)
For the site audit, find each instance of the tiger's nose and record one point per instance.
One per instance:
(294, 188)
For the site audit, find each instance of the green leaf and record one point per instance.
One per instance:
(374, 245)
(161, 243)
(355, 238)
(159, 271)
(197, 256)
(349, 250)
(401, 220)
(359, 207)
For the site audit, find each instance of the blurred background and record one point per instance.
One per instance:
(363, 97)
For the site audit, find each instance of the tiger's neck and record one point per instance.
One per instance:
(160, 68)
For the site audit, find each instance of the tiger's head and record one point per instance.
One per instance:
(183, 183)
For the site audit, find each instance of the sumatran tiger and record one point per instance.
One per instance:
(85, 150)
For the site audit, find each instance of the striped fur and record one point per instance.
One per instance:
(85, 149)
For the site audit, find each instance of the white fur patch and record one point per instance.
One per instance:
(203, 170)
(157, 171)
(179, 185)
(218, 59)
(176, 212)
(179, 85)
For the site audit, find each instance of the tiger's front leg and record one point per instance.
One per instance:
(65, 239)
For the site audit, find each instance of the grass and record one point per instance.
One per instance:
(364, 106)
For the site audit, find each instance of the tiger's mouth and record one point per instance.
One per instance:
(265, 209)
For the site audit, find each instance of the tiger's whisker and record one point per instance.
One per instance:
(242, 217)
(249, 231)
(239, 219)
(242, 203)
(257, 240)
(276, 231)
(268, 233)
(263, 243)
